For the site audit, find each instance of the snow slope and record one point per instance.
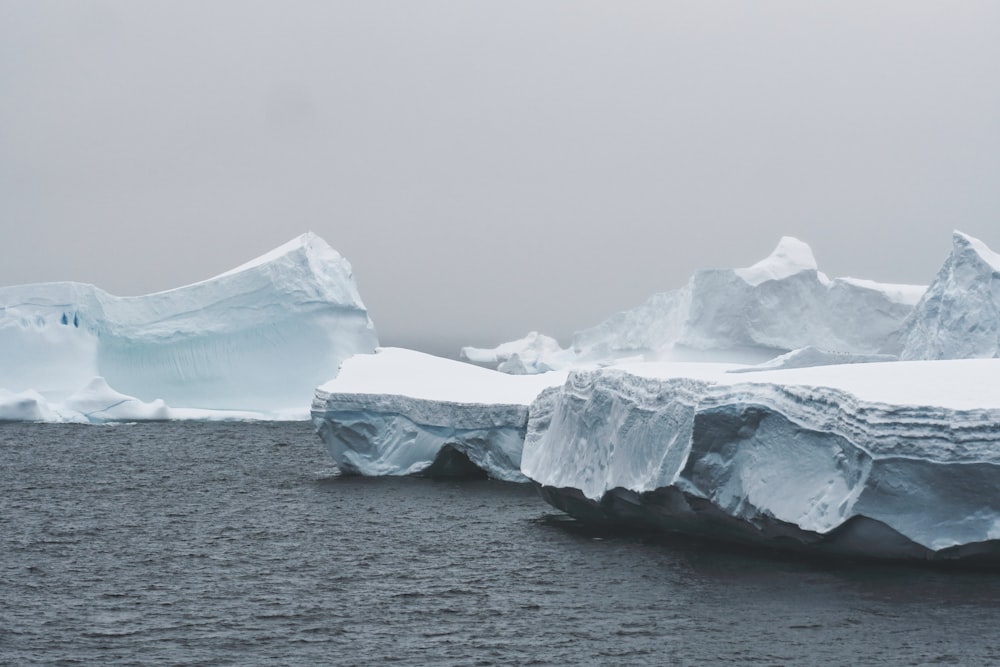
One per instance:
(892, 459)
(259, 337)
(959, 316)
(397, 411)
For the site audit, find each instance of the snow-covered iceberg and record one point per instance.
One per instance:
(896, 460)
(535, 353)
(257, 338)
(400, 412)
(780, 304)
(750, 315)
(959, 316)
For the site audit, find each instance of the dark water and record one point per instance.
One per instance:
(237, 544)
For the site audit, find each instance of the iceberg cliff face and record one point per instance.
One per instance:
(896, 460)
(259, 337)
(400, 412)
(959, 316)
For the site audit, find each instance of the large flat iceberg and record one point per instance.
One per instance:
(400, 412)
(896, 460)
(256, 339)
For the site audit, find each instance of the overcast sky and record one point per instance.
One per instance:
(493, 167)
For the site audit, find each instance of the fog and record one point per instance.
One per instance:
(492, 168)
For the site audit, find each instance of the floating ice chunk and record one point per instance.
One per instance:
(97, 402)
(26, 406)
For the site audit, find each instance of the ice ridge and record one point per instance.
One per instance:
(258, 337)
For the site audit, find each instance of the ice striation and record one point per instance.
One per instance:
(892, 460)
(256, 339)
(959, 316)
(401, 412)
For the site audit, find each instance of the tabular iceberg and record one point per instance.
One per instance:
(894, 460)
(400, 412)
(257, 338)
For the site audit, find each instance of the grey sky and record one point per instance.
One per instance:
(493, 167)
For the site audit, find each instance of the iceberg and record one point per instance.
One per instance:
(751, 315)
(893, 460)
(401, 412)
(959, 316)
(257, 339)
(97, 402)
(535, 353)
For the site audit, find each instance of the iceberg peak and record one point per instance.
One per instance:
(308, 244)
(959, 315)
(791, 256)
(962, 242)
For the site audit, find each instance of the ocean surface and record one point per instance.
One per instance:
(239, 544)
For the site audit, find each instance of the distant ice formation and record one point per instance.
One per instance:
(400, 412)
(959, 316)
(750, 315)
(258, 338)
(535, 353)
(893, 460)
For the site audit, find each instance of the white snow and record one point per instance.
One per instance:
(256, 339)
(402, 372)
(25, 406)
(98, 402)
(900, 293)
(954, 384)
(535, 353)
(807, 357)
(392, 413)
(791, 256)
(987, 255)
